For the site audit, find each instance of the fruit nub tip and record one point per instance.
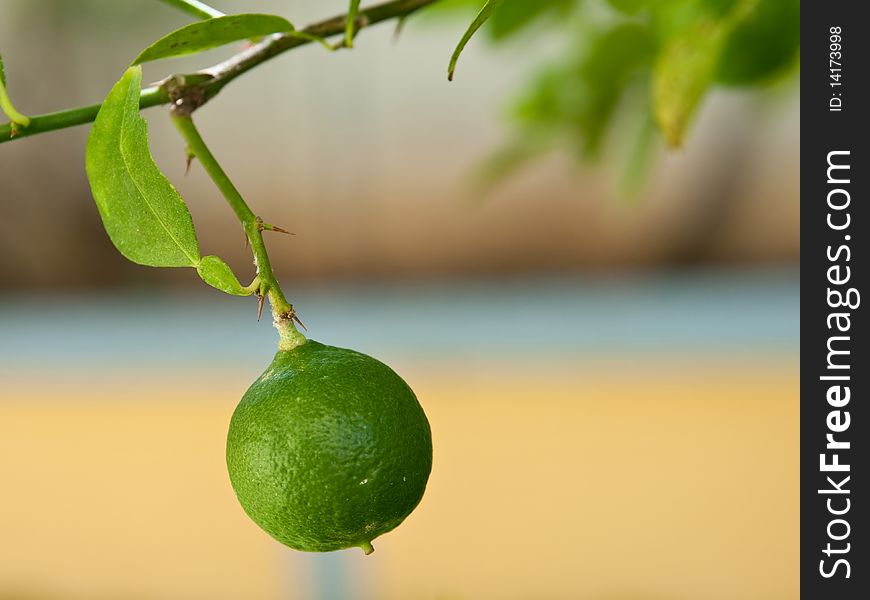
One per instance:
(367, 548)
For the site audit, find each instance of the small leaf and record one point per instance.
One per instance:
(142, 212)
(349, 29)
(682, 74)
(218, 275)
(6, 103)
(211, 33)
(479, 20)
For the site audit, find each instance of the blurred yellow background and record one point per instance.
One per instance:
(601, 439)
(611, 381)
(550, 481)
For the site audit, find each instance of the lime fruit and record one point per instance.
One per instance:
(328, 449)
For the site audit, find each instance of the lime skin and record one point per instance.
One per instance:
(328, 449)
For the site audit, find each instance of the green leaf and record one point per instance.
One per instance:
(218, 275)
(578, 97)
(142, 212)
(513, 17)
(479, 20)
(629, 7)
(211, 33)
(762, 44)
(352, 12)
(682, 74)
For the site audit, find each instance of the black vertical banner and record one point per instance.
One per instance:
(835, 221)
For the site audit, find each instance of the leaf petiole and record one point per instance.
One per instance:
(267, 283)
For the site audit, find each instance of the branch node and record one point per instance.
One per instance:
(186, 92)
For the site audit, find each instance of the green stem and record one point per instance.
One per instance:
(350, 26)
(282, 310)
(195, 8)
(151, 96)
(226, 71)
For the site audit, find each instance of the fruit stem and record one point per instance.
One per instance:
(282, 311)
(367, 548)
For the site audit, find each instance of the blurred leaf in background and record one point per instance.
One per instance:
(628, 64)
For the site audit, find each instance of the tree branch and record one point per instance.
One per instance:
(220, 74)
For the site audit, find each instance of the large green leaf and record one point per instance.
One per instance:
(484, 14)
(218, 274)
(211, 33)
(142, 212)
(682, 74)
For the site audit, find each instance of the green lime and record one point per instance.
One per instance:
(328, 449)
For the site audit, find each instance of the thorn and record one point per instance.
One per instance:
(294, 317)
(279, 229)
(261, 298)
(190, 158)
(263, 226)
(246, 241)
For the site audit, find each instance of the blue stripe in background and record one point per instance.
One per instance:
(715, 312)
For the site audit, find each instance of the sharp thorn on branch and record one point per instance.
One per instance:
(261, 298)
(263, 226)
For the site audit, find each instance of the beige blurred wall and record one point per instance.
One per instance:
(367, 156)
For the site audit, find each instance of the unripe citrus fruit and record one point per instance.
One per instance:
(328, 449)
